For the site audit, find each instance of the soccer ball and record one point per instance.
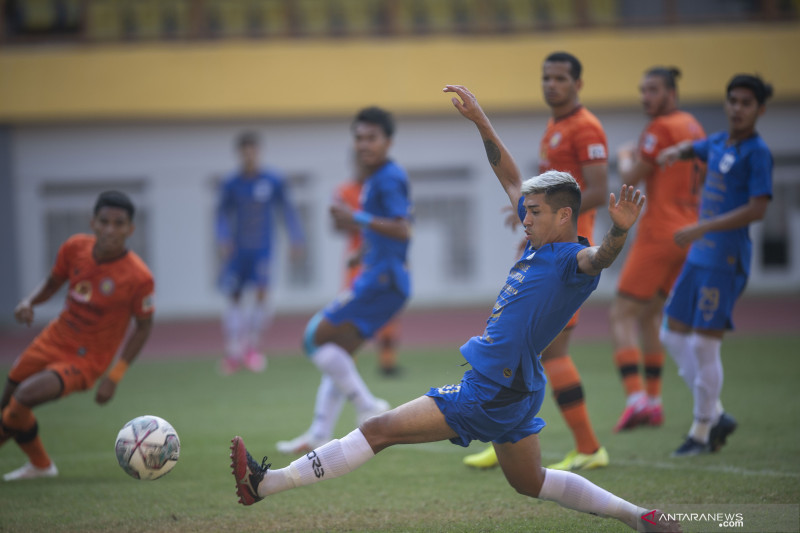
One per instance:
(147, 447)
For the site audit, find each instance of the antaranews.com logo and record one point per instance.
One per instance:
(725, 517)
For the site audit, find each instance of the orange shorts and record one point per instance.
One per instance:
(76, 374)
(651, 268)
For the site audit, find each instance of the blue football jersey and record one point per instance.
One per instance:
(386, 194)
(736, 172)
(542, 292)
(246, 211)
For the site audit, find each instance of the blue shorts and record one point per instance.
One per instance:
(704, 297)
(480, 409)
(245, 267)
(369, 305)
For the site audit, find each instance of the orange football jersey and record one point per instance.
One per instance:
(673, 192)
(101, 300)
(568, 144)
(350, 194)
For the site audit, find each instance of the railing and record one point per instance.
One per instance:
(46, 21)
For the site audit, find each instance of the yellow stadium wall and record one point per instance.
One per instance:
(313, 78)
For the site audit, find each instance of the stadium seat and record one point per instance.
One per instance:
(103, 20)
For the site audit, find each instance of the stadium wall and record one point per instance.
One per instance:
(314, 78)
(159, 121)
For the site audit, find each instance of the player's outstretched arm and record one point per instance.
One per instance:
(624, 213)
(134, 345)
(676, 152)
(502, 163)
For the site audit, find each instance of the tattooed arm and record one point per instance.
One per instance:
(623, 214)
(502, 163)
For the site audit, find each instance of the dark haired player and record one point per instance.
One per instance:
(499, 397)
(245, 220)
(654, 260)
(381, 289)
(574, 142)
(108, 285)
(736, 193)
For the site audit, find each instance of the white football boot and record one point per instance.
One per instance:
(28, 471)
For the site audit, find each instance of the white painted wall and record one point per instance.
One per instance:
(178, 160)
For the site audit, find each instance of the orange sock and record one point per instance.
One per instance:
(568, 391)
(387, 357)
(627, 360)
(652, 373)
(36, 453)
(20, 419)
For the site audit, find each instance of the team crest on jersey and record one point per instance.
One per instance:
(649, 143)
(555, 139)
(107, 286)
(81, 291)
(596, 151)
(726, 162)
(262, 191)
(147, 303)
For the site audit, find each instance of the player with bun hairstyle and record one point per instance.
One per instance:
(654, 260)
(736, 193)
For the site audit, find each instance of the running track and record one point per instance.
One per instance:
(419, 328)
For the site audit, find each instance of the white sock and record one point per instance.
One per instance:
(635, 397)
(707, 385)
(335, 362)
(330, 401)
(575, 492)
(679, 347)
(334, 459)
(259, 319)
(233, 326)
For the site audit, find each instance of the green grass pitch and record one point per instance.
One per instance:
(419, 488)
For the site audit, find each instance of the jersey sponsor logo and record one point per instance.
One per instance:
(649, 143)
(107, 286)
(81, 291)
(449, 389)
(596, 151)
(555, 139)
(726, 162)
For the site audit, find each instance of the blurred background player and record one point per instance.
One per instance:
(245, 221)
(349, 193)
(654, 260)
(108, 285)
(736, 192)
(574, 142)
(381, 289)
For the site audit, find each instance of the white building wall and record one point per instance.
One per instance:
(179, 162)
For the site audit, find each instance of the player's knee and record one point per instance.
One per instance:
(39, 388)
(378, 432)
(529, 485)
